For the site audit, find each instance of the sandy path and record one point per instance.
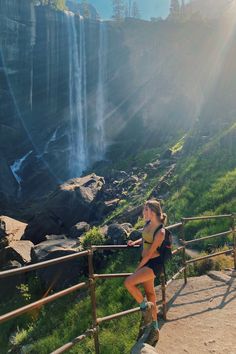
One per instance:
(201, 319)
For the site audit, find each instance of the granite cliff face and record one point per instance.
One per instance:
(76, 91)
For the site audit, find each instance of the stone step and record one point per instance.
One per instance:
(219, 276)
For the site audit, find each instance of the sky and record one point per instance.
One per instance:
(148, 8)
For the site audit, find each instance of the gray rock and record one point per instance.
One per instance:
(20, 251)
(63, 274)
(135, 235)
(128, 227)
(143, 348)
(55, 237)
(10, 230)
(79, 229)
(116, 234)
(49, 247)
(74, 201)
(104, 230)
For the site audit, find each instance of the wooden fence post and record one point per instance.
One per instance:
(93, 300)
(163, 291)
(234, 238)
(184, 250)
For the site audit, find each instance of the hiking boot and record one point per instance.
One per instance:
(146, 314)
(153, 336)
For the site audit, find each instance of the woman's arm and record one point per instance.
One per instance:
(158, 239)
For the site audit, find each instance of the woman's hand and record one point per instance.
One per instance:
(131, 243)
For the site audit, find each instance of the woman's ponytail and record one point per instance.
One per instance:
(164, 218)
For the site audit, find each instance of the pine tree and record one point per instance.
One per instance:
(85, 7)
(135, 10)
(118, 9)
(174, 8)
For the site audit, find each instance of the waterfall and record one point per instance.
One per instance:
(16, 166)
(101, 93)
(52, 139)
(77, 97)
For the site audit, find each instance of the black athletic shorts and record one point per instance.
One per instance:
(156, 265)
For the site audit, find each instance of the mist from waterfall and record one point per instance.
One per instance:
(100, 144)
(78, 161)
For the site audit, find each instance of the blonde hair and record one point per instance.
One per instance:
(155, 206)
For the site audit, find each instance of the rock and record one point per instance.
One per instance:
(10, 230)
(55, 237)
(131, 215)
(43, 224)
(8, 184)
(49, 247)
(219, 276)
(111, 204)
(74, 201)
(167, 154)
(79, 229)
(11, 265)
(143, 348)
(62, 275)
(130, 182)
(128, 227)
(104, 230)
(135, 235)
(20, 251)
(116, 234)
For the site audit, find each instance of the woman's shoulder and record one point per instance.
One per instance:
(160, 232)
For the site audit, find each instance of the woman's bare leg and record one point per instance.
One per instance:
(151, 296)
(142, 275)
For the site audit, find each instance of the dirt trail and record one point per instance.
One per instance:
(201, 319)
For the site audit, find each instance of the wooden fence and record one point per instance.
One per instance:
(90, 284)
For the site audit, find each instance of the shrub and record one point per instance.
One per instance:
(93, 237)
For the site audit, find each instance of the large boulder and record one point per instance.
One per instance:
(116, 234)
(10, 230)
(79, 229)
(74, 201)
(63, 274)
(47, 248)
(135, 235)
(19, 251)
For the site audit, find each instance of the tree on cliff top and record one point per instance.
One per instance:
(55, 4)
(86, 12)
(174, 8)
(118, 9)
(135, 10)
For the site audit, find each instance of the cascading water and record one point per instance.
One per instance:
(16, 167)
(100, 144)
(77, 97)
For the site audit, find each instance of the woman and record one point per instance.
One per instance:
(149, 267)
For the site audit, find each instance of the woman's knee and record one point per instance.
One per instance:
(127, 282)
